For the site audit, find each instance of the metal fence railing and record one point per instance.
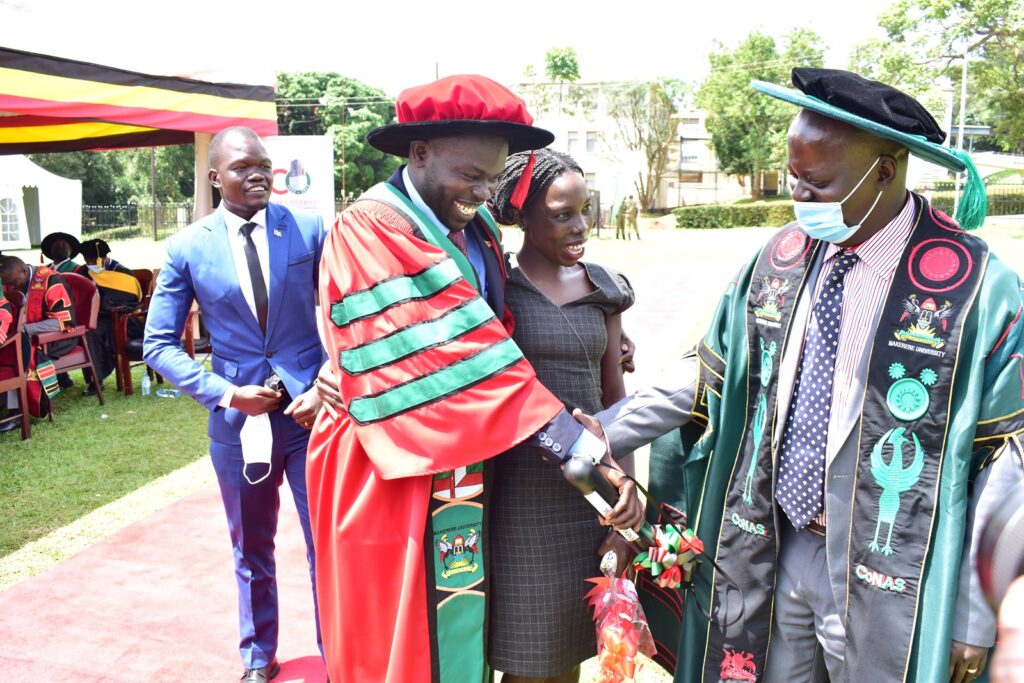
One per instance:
(150, 221)
(153, 221)
(1004, 198)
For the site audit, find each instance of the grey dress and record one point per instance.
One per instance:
(544, 535)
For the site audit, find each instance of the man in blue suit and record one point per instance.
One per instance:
(252, 267)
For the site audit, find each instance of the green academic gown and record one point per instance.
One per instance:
(943, 397)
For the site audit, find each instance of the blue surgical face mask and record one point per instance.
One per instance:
(824, 220)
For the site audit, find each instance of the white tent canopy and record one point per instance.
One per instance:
(35, 203)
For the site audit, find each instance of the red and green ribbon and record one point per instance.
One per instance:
(672, 558)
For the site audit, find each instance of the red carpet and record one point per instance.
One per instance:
(155, 602)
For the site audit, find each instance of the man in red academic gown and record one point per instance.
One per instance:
(412, 289)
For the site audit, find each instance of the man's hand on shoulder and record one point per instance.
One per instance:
(255, 400)
(305, 408)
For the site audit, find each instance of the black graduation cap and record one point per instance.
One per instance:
(49, 240)
(887, 112)
(94, 249)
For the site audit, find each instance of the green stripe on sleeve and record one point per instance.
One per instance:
(437, 385)
(394, 291)
(416, 337)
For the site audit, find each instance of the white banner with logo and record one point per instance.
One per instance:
(303, 173)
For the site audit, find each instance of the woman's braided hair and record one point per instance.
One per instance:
(549, 165)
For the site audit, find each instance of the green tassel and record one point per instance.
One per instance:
(973, 205)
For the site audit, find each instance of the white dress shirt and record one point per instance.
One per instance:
(237, 241)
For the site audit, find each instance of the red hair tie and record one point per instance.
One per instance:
(523, 184)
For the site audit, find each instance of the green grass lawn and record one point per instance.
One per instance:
(91, 455)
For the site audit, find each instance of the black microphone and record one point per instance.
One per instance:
(582, 472)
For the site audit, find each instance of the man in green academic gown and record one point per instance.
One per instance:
(848, 422)
(61, 248)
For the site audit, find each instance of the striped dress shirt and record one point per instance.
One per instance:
(866, 285)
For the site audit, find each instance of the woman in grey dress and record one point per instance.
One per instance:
(545, 539)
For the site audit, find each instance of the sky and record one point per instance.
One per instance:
(392, 45)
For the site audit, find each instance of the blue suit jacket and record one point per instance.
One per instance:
(199, 266)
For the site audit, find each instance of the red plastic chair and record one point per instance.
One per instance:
(86, 300)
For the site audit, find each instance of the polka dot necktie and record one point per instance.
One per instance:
(800, 488)
(458, 238)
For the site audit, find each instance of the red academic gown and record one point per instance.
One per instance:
(48, 298)
(8, 361)
(6, 318)
(370, 469)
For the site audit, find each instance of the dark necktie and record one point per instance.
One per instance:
(458, 238)
(259, 285)
(801, 484)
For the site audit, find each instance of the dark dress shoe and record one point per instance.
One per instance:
(15, 421)
(262, 674)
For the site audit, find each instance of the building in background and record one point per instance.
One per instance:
(578, 115)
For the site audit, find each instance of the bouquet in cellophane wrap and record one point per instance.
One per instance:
(622, 630)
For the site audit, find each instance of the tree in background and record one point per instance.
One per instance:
(123, 176)
(748, 130)
(312, 103)
(927, 39)
(562, 69)
(644, 115)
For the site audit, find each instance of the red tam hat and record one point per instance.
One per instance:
(459, 105)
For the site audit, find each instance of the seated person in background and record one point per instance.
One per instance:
(49, 309)
(119, 291)
(60, 248)
(8, 362)
(6, 317)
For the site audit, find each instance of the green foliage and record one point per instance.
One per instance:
(562, 69)
(926, 41)
(175, 173)
(748, 129)
(1002, 201)
(101, 173)
(312, 103)
(561, 65)
(644, 115)
(757, 214)
(122, 176)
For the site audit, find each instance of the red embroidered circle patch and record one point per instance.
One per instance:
(939, 265)
(789, 249)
